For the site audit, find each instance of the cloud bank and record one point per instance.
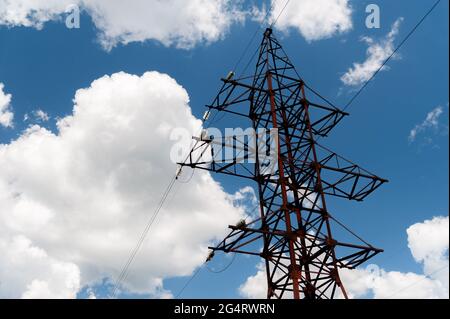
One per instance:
(313, 19)
(178, 23)
(73, 203)
(428, 242)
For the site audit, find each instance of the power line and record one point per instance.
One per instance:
(269, 12)
(260, 27)
(279, 15)
(393, 53)
(187, 181)
(253, 38)
(224, 268)
(382, 65)
(419, 23)
(210, 270)
(124, 272)
(189, 281)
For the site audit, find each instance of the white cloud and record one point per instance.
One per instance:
(313, 19)
(84, 194)
(246, 198)
(361, 283)
(38, 115)
(6, 115)
(41, 115)
(428, 242)
(431, 121)
(377, 53)
(27, 271)
(255, 287)
(176, 22)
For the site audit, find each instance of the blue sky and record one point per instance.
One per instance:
(42, 69)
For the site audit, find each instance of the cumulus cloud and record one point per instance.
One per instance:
(6, 115)
(29, 272)
(382, 284)
(178, 23)
(255, 286)
(81, 195)
(431, 122)
(313, 19)
(377, 53)
(428, 242)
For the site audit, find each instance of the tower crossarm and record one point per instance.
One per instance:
(242, 239)
(342, 178)
(235, 96)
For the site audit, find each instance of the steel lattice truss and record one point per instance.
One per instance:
(301, 256)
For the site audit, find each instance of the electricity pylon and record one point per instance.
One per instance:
(293, 233)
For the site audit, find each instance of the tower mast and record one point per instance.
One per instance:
(302, 258)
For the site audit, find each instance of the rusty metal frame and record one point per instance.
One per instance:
(301, 256)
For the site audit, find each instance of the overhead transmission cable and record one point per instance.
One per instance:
(244, 53)
(364, 86)
(124, 272)
(258, 29)
(197, 271)
(272, 25)
(279, 15)
(189, 281)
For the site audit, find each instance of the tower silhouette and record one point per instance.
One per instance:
(293, 173)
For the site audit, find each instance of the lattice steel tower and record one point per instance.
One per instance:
(293, 233)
